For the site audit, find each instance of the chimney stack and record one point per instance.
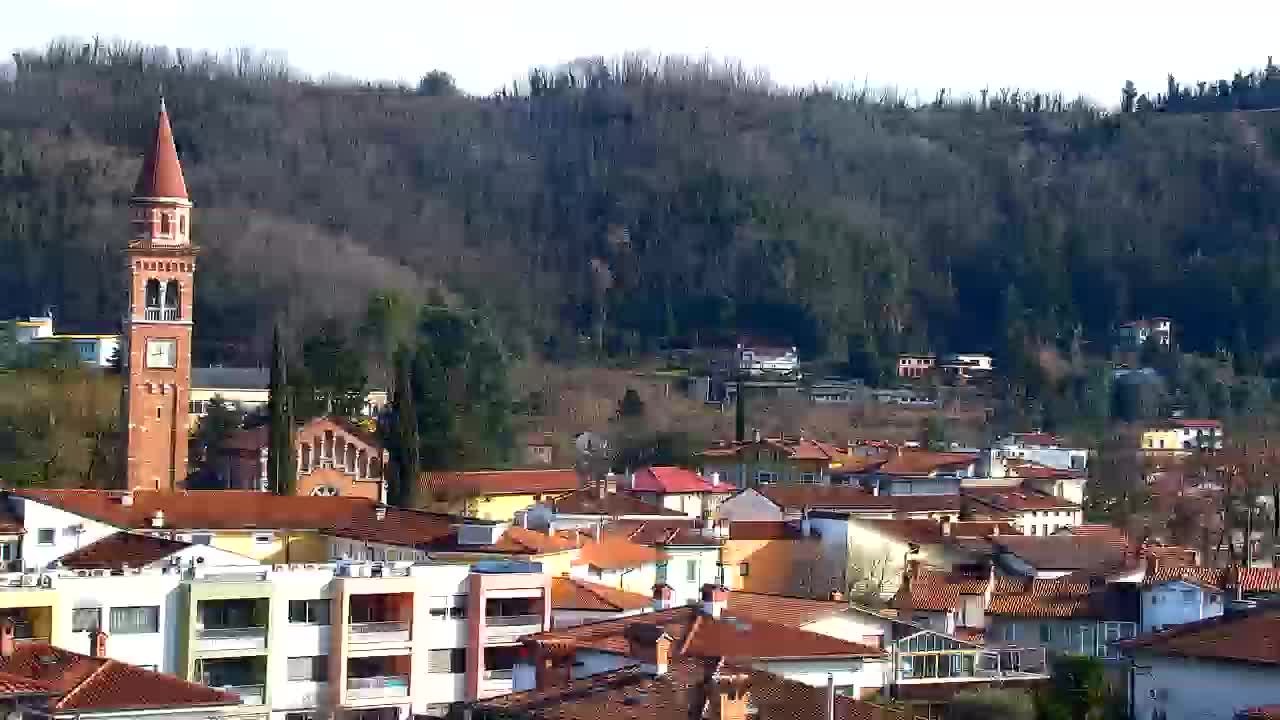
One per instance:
(755, 435)
(945, 526)
(836, 596)
(714, 599)
(7, 640)
(664, 597)
(380, 513)
(127, 498)
(728, 696)
(157, 520)
(651, 645)
(98, 643)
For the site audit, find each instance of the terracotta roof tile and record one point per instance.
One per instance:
(936, 591)
(1253, 637)
(121, 549)
(827, 497)
(438, 532)
(205, 509)
(676, 533)
(1019, 500)
(612, 551)
(569, 593)
(96, 684)
(681, 693)
(1063, 552)
(161, 174)
(695, 634)
(501, 482)
(781, 609)
(794, 448)
(1262, 712)
(11, 685)
(587, 502)
(920, 532)
(1036, 471)
(981, 528)
(674, 480)
(925, 462)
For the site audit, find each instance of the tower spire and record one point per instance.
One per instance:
(161, 176)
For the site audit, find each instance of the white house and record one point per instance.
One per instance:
(93, 349)
(1176, 596)
(760, 359)
(1209, 670)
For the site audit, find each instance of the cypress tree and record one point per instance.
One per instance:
(282, 474)
(405, 446)
(740, 411)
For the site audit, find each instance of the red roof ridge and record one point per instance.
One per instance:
(66, 700)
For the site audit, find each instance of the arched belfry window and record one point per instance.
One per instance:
(172, 301)
(152, 299)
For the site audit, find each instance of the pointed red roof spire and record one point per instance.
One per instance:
(161, 175)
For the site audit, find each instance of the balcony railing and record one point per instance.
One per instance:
(511, 620)
(236, 632)
(170, 313)
(152, 313)
(507, 674)
(249, 694)
(379, 631)
(239, 638)
(382, 686)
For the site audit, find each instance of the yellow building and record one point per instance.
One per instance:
(494, 494)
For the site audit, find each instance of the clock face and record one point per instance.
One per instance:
(162, 353)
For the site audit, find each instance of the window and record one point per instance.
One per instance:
(263, 538)
(809, 478)
(152, 668)
(1046, 633)
(86, 619)
(201, 539)
(198, 407)
(301, 716)
(1188, 596)
(451, 660)
(44, 536)
(744, 569)
(458, 612)
(135, 620)
(164, 223)
(182, 224)
(312, 668)
(309, 612)
(1034, 530)
(766, 478)
(1011, 633)
(691, 570)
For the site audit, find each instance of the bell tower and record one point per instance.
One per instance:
(157, 323)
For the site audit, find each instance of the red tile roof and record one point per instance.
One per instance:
(695, 634)
(675, 533)
(781, 609)
(612, 551)
(1019, 500)
(587, 502)
(1037, 438)
(205, 509)
(1262, 712)
(925, 462)
(1196, 423)
(1253, 637)
(1064, 552)
(981, 528)
(11, 685)
(161, 174)
(569, 593)
(97, 684)
(681, 693)
(794, 448)
(437, 532)
(833, 497)
(920, 532)
(937, 591)
(674, 480)
(1036, 471)
(501, 482)
(116, 551)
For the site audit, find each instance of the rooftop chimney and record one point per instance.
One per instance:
(7, 640)
(836, 596)
(380, 513)
(714, 599)
(664, 597)
(651, 645)
(98, 643)
(945, 526)
(728, 696)
(127, 498)
(755, 435)
(157, 520)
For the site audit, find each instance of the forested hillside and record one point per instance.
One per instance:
(637, 203)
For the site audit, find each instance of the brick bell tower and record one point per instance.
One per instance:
(157, 324)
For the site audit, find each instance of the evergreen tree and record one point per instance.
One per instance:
(739, 410)
(405, 444)
(282, 475)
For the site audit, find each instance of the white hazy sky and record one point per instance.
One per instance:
(1082, 46)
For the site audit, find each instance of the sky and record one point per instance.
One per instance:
(1087, 47)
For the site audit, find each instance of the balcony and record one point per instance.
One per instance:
(378, 632)
(377, 687)
(510, 628)
(975, 664)
(249, 694)
(231, 638)
(300, 695)
(151, 313)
